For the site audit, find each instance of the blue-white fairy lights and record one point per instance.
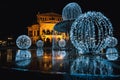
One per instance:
(62, 54)
(89, 31)
(88, 65)
(39, 52)
(111, 41)
(23, 42)
(71, 11)
(112, 54)
(62, 43)
(23, 57)
(39, 43)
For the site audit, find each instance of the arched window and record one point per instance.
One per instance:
(43, 32)
(48, 32)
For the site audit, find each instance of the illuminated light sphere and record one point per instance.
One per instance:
(23, 42)
(39, 52)
(112, 54)
(71, 11)
(39, 43)
(23, 57)
(62, 54)
(89, 31)
(111, 41)
(62, 43)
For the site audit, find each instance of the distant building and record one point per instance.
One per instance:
(44, 29)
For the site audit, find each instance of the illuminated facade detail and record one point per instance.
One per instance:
(34, 32)
(23, 42)
(89, 32)
(39, 43)
(112, 54)
(44, 28)
(23, 57)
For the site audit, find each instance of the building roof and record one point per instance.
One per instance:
(49, 14)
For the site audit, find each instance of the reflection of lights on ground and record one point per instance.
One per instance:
(45, 56)
(59, 57)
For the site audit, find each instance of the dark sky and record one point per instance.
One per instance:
(17, 15)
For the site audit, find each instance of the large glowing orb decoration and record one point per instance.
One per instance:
(39, 43)
(23, 42)
(71, 11)
(89, 31)
(62, 43)
(91, 65)
(111, 41)
(23, 57)
(112, 54)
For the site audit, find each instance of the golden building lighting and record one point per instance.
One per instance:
(44, 27)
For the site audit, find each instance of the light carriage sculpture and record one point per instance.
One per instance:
(90, 33)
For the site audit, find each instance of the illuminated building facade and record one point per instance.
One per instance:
(44, 29)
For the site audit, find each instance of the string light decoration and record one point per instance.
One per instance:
(23, 57)
(112, 54)
(23, 42)
(71, 11)
(62, 43)
(39, 43)
(89, 32)
(95, 66)
(62, 54)
(39, 52)
(111, 41)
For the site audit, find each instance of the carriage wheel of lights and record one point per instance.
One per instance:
(89, 32)
(39, 43)
(23, 42)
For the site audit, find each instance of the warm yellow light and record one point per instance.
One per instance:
(59, 57)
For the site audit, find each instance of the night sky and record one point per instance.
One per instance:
(17, 15)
